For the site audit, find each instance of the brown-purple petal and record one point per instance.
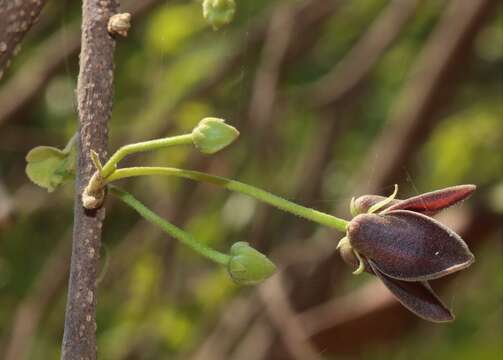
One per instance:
(363, 203)
(418, 297)
(432, 202)
(409, 246)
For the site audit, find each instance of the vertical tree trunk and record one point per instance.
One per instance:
(94, 93)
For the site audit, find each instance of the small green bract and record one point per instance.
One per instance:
(49, 167)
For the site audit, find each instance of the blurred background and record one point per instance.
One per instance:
(333, 99)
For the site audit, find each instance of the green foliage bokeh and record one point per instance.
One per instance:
(162, 300)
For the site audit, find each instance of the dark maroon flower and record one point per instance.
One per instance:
(400, 243)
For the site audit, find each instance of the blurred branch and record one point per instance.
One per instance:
(17, 18)
(27, 83)
(5, 205)
(254, 345)
(267, 75)
(94, 96)
(356, 320)
(234, 321)
(430, 86)
(310, 19)
(340, 83)
(287, 23)
(283, 316)
(333, 91)
(46, 287)
(47, 59)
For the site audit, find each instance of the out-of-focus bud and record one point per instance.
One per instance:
(248, 266)
(218, 12)
(213, 134)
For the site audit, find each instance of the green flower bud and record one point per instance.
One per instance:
(218, 12)
(248, 266)
(213, 134)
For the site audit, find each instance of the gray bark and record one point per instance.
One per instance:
(94, 93)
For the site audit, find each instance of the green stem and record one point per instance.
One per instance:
(169, 228)
(283, 204)
(120, 154)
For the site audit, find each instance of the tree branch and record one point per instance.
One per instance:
(17, 17)
(94, 93)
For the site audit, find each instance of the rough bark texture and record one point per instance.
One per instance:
(94, 92)
(16, 18)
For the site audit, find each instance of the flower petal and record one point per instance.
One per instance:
(418, 297)
(363, 203)
(432, 202)
(409, 246)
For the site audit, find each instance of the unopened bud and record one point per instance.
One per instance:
(213, 134)
(248, 266)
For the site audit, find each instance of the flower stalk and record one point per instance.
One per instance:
(169, 228)
(245, 265)
(233, 185)
(144, 146)
(209, 136)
